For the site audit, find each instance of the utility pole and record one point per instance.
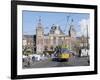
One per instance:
(87, 37)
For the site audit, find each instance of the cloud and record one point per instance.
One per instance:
(84, 26)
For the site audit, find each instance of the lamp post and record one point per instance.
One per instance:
(87, 37)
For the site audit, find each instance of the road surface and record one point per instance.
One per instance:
(75, 61)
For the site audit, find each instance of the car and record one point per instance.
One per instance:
(36, 57)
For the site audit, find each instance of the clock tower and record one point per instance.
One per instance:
(39, 37)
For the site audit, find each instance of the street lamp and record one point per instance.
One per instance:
(87, 38)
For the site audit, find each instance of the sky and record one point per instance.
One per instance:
(30, 20)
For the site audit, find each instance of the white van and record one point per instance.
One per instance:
(84, 52)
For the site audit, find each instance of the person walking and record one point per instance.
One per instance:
(28, 61)
(80, 52)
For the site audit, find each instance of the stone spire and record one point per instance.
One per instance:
(72, 31)
(39, 22)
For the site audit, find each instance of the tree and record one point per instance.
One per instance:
(28, 52)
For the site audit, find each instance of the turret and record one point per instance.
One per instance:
(72, 31)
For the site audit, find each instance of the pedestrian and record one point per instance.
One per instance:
(28, 61)
(88, 56)
(79, 52)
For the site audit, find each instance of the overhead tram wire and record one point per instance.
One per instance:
(66, 25)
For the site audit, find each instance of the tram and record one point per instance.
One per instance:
(63, 54)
